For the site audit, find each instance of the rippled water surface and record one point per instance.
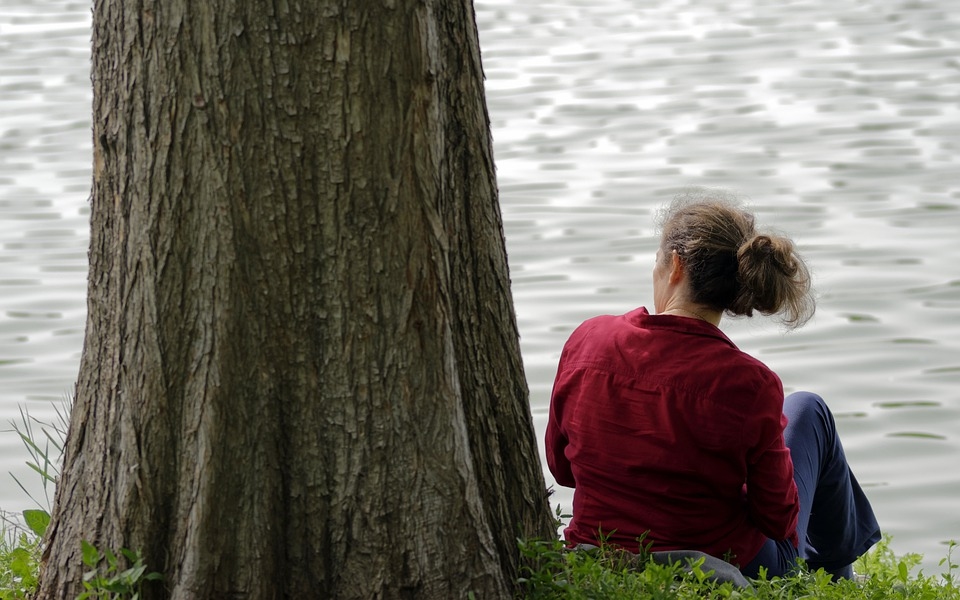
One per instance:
(838, 121)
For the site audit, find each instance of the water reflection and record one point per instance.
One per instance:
(839, 122)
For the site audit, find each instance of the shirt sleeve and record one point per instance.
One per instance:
(772, 499)
(556, 440)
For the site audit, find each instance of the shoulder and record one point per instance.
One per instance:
(598, 337)
(603, 324)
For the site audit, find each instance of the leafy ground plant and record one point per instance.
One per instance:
(551, 572)
(22, 535)
(108, 576)
(20, 550)
(109, 579)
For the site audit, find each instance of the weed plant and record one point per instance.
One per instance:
(107, 579)
(552, 572)
(109, 575)
(41, 458)
(19, 560)
(21, 535)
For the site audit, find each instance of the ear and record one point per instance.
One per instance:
(677, 271)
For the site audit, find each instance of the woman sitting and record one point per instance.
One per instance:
(674, 438)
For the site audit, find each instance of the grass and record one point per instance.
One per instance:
(19, 560)
(548, 571)
(21, 534)
(552, 572)
(41, 459)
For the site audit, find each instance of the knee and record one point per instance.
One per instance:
(807, 407)
(806, 400)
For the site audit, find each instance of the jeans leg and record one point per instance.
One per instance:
(836, 523)
(778, 558)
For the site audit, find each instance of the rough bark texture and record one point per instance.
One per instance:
(301, 376)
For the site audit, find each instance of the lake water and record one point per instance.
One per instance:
(839, 122)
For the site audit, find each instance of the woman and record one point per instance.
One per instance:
(675, 439)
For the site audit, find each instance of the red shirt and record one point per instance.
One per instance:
(665, 427)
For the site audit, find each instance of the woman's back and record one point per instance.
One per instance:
(661, 416)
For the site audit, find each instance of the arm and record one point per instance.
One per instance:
(772, 500)
(556, 441)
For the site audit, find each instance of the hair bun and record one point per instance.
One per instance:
(773, 279)
(776, 251)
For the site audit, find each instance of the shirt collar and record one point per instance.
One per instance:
(641, 317)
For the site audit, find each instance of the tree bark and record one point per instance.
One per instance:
(301, 375)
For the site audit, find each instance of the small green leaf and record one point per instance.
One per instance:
(133, 574)
(20, 564)
(37, 520)
(91, 556)
(115, 586)
(129, 555)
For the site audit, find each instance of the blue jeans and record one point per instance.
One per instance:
(836, 523)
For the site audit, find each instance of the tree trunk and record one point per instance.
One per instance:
(301, 375)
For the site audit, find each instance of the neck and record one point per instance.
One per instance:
(695, 312)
